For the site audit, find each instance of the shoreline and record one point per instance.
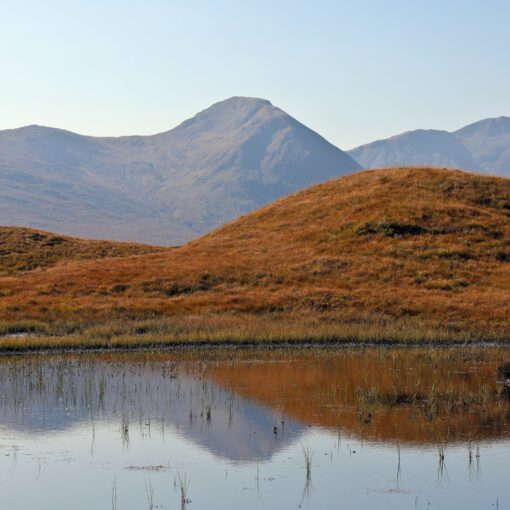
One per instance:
(253, 345)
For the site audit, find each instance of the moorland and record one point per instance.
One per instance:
(399, 255)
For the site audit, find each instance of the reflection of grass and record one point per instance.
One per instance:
(308, 456)
(149, 492)
(395, 394)
(125, 428)
(183, 487)
(114, 495)
(441, 467)
(388, 393)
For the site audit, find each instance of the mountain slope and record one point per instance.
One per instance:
(420, 250)
(483, 146)
(418, 148)
(167, 188)
(489, 143)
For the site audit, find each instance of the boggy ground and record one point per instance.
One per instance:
(395, 255)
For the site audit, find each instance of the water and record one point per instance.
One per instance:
(119, 431)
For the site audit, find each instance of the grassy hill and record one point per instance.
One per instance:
(24, 249)
(397, 255)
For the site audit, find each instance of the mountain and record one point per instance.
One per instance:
(489, 143)
(397, 254)
(483, 147)
(418, 148)
(167, 188)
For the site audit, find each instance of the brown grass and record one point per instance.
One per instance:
(24, 249)
(383, 249)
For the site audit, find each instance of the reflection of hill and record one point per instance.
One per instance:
(408, 395)
(42, 395)
(229, 404)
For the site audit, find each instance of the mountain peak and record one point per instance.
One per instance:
(231, 113)
(243, 100)
(492, 127)
(227, 160)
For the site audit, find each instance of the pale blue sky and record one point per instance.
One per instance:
(352, 70)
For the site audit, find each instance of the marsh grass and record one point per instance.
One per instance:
(442, 472)
(114, 494)
(308, 456)
(149, 492)
(124, 428)
(308, 487)
(321, 387)
(234, 329)
(183, 482)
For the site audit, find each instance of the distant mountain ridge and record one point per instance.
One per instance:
(483, 146)
(166, 188)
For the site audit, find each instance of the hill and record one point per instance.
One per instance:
(397, 254)
(24, 249)
(167, 188)
(483, 146)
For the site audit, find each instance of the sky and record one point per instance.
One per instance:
(354, 71)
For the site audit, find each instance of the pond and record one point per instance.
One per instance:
(368, 428)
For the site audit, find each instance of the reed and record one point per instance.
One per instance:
(184, 483)
(149, 492)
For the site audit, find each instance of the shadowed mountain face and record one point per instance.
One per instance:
(162, 189)
(483, 146)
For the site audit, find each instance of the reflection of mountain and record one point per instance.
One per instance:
(237, 429)
(43, 396)
(230, 405)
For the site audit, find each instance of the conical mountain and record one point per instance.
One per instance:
(167, 188)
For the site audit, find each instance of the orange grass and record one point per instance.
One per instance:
(26, 249)
(427, 247)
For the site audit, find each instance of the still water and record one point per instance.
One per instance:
(319, 429)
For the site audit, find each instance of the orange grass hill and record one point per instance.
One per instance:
(394, 255)
(26, 249)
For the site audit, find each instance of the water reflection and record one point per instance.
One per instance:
(407, 395)
(247, 405)
(41, 395)
(375, 428)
